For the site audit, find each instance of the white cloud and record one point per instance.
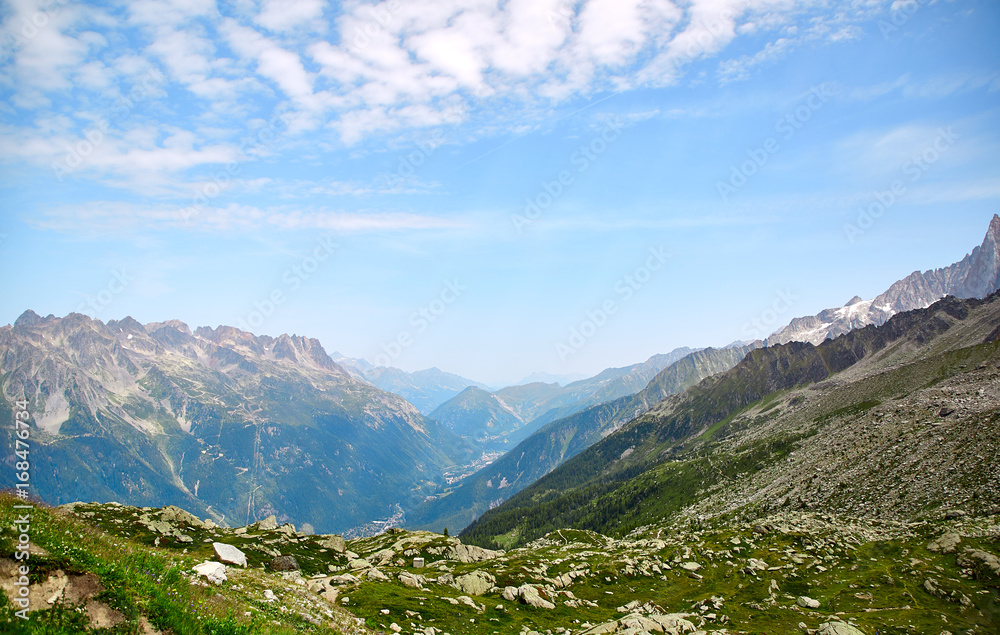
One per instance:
(117, 218)
(283, 15)
(386, 67)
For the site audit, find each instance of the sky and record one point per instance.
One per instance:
(491, 188)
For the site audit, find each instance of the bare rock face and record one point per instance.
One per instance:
(529, 595)
(807, 602)
(985, 565)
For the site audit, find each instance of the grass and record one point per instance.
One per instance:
(138, 581)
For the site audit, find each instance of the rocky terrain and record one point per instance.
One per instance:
(163, 570)
(975, 276)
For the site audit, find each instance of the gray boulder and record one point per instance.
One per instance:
(284, 563)
(475, 583)
(945, 543)
(334, 543)
(838, 628)
(268, 524)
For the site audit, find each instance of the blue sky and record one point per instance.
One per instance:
(490, 188)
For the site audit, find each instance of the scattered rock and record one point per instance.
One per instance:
(807, 602)
(946, 543)
(529, 595)
(838, 628)
(334, 543)
(284, 563)
(229, 553)
(475, 583)
(214, 572)
(268, 524)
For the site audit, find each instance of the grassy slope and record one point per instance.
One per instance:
(140, 581)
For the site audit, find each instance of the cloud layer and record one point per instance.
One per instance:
(135, 95)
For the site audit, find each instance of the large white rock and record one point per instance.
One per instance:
(333, 542)
(838, 628)
(807, 602)
(215, 572)
(229, 553)
(475, 583)
(529, 595)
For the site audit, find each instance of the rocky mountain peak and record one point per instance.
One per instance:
(28, 318)
(977, 275)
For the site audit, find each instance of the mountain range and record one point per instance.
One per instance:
(225, 423)
(975, 276)
(426, 389)
(915, 402)
(237, 426)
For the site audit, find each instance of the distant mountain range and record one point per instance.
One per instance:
(549, 378)
(560, 440)
(220, 421)
(975, 276)
(498, 420)
(425, 389)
